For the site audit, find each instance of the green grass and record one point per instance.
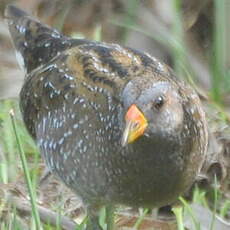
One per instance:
(31, 186)
(19, 153)
(14, 159)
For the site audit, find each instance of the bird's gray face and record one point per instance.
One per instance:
(152, 109)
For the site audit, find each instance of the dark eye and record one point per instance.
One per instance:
(158, 103)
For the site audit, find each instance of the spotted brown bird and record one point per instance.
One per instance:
(113, 123)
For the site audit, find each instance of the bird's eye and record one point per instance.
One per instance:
(158, 103)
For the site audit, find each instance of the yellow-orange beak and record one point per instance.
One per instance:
(136, 124)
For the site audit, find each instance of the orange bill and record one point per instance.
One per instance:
(136, 124)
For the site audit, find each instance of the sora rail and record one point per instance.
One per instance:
(113, 123)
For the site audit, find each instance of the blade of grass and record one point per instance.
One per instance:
(129, 16)
(140, 219)
(110, 216)
(102, 218)
(178, 34)
(224, 210)
(215, 204)
(163, 37)
(82, 225)
(199, 197)
(97, 33)
(178, 211)
(190, 211)
(7, 144)
(219, 49)
(63, 13)
(27, 174)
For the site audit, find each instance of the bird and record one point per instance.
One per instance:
(117, 126)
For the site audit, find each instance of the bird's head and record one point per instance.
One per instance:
(152, 109)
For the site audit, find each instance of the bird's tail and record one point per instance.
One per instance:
(35, 43)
